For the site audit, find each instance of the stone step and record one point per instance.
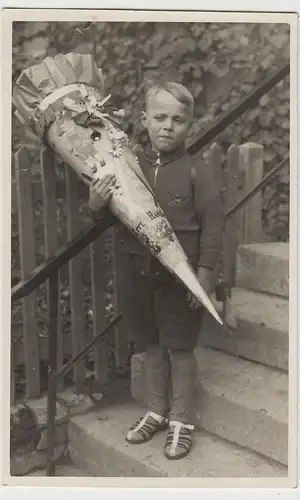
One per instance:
(98, 445)
(62, 470)
(264, 267)
(261, 333)
(240, 401)
(29, 431)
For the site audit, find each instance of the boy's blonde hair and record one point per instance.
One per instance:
(181, 94)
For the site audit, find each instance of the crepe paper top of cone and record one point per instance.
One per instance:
(40, 90)
(72, 116)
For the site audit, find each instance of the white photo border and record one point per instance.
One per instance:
(5, 229)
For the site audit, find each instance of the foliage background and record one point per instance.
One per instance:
(219, 62)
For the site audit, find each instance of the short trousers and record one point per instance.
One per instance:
(155, 306)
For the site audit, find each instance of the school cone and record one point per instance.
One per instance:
(81, 126)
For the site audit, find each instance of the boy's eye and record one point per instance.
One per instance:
(179, 119)
(176, 119)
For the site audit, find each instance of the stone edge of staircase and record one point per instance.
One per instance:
(208, 408)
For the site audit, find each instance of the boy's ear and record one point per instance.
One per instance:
(144, 118)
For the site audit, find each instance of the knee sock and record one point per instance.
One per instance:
(183, 375)
(158, 379)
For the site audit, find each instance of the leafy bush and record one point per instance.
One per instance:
(219, 62)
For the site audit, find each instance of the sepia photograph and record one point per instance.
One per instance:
(152, 326)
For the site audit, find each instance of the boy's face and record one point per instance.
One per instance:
(167, 121)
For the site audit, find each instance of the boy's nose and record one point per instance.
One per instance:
(168, 124)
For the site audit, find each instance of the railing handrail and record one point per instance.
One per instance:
(252, 192)
(85, 238)
(228, 117)
(61, 257)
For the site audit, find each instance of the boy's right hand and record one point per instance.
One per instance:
(101, 192)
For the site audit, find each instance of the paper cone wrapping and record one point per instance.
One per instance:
(73, 117)
(38, 82)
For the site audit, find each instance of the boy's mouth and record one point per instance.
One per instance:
(166, 137)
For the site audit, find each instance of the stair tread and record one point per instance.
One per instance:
(241, 401)
(264, 267)
(275, 249)
(257, 328)
(210, 457)
(66, 470)
(244, 383)
(262, 308)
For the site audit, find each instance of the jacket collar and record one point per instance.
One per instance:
(152, 155)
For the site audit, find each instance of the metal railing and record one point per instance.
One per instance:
(49, 269)
(230, 116)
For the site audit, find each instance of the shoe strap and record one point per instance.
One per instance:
(176, 435)
(180, 425)
(155, 416)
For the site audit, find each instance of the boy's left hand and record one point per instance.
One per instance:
(204, 275)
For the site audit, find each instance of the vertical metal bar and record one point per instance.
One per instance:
(52, 367)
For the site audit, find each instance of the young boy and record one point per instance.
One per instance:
(163, 315)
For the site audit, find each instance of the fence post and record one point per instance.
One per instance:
(48, 173)
(75, 274)
(27, 259)
(231, 228)
(121, 336)
(215, 162)
(252, 169)
(52, 369)
(98, 276)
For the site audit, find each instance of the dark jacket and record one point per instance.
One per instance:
(188, 194)
(191, 203)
